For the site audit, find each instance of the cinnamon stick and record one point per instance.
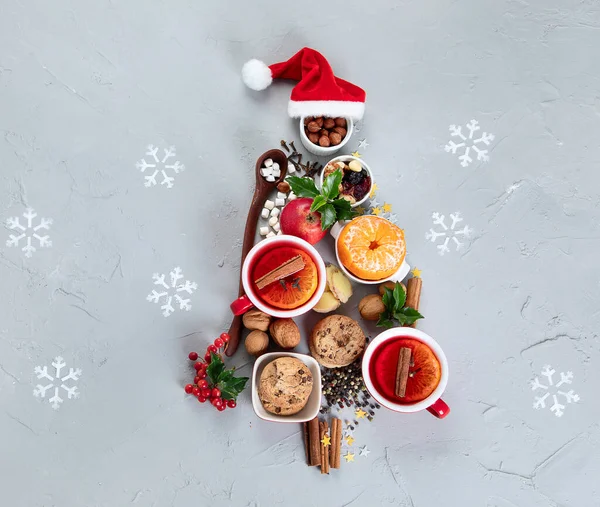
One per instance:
(336, 443)
(306, 442)
(314, 442)
(288, 268)
(324, 448)
(413, 294)
(402, 371)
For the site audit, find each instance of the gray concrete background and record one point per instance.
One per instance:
(86, 86)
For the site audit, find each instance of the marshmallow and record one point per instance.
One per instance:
(277, 227)
(268, 162)
(269, 204)
(275, 166)
(264, 172)
(265, 213)
(274, 212)
(276, 173)
(279, 202)
(270, 179)
(271, 234)
(281, 195)
(273, 221)
(264, 231)
(291, 196)
(279, 233)
(291, 168)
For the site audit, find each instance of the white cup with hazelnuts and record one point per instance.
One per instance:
(324, 136)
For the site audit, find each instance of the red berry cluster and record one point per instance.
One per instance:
(201, 389)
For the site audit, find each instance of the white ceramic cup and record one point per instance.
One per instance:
(251, 298)
(433, 403)
(398, 276)
(347, 159)
(320, 151)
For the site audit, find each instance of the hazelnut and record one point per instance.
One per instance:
(340, 122)
(314, 138)
(319, 121)
(313, 127)
(371, 306)
(341, 131)
(324, 141)
(335, 138)
(389, 285)
(255, 319)
(257, 343)
(307, 120)
(328, 123)
(285, 333)
(284, 187)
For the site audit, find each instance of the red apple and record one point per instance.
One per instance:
(297, 220)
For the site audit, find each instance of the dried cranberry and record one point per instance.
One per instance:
(362, 188)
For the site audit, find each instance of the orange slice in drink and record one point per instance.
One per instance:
(371, 247)
(424, 374)
(290, 292)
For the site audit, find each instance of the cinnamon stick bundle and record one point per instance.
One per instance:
(336, 443)
(314, 443)
(324, 448)
(288, 268)
(413, 294)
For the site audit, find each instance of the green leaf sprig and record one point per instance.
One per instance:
(326, 201)
(395, 310)
(229, 385)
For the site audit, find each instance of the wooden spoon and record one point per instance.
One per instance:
(262, 190)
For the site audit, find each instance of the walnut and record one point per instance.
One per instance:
(257, 343)
(285, 333)
(255, 319)
(371, 306)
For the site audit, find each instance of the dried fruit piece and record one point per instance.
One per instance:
(327, 303)
(338, 283)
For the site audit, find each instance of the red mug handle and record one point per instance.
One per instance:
(241, 305)
(439, 409)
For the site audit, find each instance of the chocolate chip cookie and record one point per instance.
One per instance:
(285, 385)
(336, 341)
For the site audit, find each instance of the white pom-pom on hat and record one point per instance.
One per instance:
(256, 75)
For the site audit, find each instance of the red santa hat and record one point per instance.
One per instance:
(318, 92)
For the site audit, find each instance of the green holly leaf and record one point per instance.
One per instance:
(384, 322)
(231, 389)
(328, 216)
(318, 203)
(303, 187)
(400, 317)
(225, 376)
(399, 297)
(411, 315)
(343, 209)
(215, 368)
(394, 301)
(388, 298)
(331, 185)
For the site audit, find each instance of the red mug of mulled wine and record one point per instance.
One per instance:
(427, 371)
(286, 297)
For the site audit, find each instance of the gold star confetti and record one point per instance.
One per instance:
(387, 208)
(360, 414)
(374, 189)
(356, 154)
(349, 457)
(326, 440)
(376, 211)
(349, 440)
(416, 272)
(360, 210)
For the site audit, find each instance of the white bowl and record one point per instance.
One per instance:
(408, 332)
(320, 151)
(310, 410)
(347, 159)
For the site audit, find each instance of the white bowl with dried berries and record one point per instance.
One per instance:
(323, 136)
(357, 181)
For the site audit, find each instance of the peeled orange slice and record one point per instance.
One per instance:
(371, 247)
(293, 291)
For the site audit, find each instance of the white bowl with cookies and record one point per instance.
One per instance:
(323, 139)
(286, 387)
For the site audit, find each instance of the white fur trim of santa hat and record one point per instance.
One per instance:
(256, 75)
(331, 108)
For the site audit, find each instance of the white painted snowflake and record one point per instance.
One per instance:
(552, 390)
(448, 233)
(172, 291)
(28, 232)
(469, 142)
(56, 382)
(158, 164)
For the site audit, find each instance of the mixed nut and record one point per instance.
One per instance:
(356, 182)
(325, 132)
